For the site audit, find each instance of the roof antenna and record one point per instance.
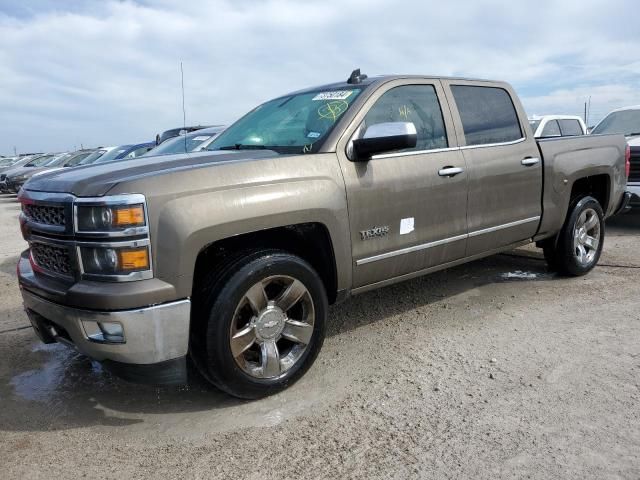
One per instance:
(356, 76)
(184, 113)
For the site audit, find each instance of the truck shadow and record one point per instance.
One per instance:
(628, 223)
(50, 387)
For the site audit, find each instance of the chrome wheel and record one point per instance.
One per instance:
(272, 326)
(586, 236)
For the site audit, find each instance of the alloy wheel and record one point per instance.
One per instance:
(272, 327)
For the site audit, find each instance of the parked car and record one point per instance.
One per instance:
(122, 152)
(626, 121)
(8, 161)
(174, 132)
(26, 174)
(22, 160)
(232, 256)
(12, 179)
(67, 160)
(189, 142)
(557, 126)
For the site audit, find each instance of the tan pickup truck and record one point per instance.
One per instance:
(230, 257)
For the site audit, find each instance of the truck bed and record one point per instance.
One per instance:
(566, 159)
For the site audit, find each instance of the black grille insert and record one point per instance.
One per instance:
(634, 174)
(52, 258)
(46, 214)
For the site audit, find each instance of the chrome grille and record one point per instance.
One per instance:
(52, 258)
(45, 214)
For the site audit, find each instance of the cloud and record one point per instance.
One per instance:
(108, 72)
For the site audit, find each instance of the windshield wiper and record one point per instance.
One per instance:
(240, 146)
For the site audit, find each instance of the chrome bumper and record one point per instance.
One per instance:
(151, 335)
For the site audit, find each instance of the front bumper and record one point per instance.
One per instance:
(154, 336)
(13, 186)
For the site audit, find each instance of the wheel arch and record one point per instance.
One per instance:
(310, 241)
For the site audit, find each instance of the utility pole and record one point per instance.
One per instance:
(15, 152)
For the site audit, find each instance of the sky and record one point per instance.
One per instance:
(106, 72)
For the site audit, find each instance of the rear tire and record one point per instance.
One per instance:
(263, 323)
(578, 246)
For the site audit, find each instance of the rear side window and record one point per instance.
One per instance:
(551, 129)
(412, 103)
(487, 114)
(570, 127)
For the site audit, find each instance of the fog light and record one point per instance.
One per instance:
(111, 331)
(104, 332)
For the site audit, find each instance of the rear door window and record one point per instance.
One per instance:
(551, 129)
(570, 128)
(487, 113)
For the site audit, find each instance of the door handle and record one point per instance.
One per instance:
(450, 171)
(530, 161)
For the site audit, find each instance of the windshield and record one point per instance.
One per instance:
(625, 122)
(40, 161)
(58, 159)
(296, 123)
(76, 159)
(110, 155)
(93, 157)
(181, 144)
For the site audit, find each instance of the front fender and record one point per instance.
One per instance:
(188, 224)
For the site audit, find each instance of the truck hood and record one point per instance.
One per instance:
(96, 180)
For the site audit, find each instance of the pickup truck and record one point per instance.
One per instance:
(557, 126)
(230, 258)
(626, 121)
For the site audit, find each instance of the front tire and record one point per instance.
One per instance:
(265, 323)
(579, 244)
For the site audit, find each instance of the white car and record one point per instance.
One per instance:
(626, 121)
(557, 126)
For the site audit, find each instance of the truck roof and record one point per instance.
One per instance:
(365, 82)
(631, 107)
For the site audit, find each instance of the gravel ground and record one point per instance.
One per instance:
(495, 369)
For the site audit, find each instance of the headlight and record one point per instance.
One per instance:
(113, 233)
(20, 178)
(108, 218)
(114, 260)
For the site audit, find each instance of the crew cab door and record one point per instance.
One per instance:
(504, 164)
(404, 215)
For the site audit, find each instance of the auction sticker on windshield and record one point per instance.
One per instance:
(336, 95)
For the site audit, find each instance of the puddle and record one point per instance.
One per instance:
(41, 384)
(68, 391)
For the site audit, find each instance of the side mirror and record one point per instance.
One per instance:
(384, 137)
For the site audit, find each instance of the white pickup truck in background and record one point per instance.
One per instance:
(626, 121)
(557, 126)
